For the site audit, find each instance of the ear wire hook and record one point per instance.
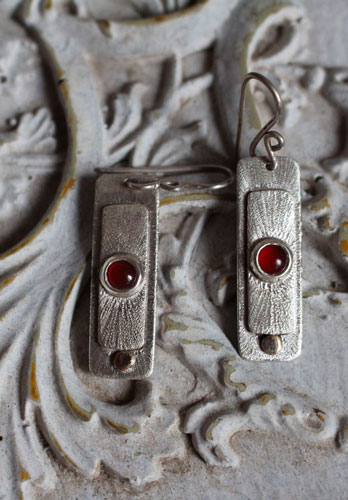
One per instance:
(133, 182)
(265, 133)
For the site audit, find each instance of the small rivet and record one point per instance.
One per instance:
(271, 344)
(123, 360)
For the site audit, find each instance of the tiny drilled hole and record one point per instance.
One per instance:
(270, 167)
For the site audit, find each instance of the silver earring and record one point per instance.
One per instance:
(124, 262)
(269, 244)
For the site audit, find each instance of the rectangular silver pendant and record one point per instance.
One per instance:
(269, 260)
(123, 281)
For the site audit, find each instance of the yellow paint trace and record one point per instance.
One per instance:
(34, 391)
(69, 185)
(320, 205)
(343, 239)
(25, 476)
(104, 26)
(209, 433)
(47, 4)
(122, 429)
(216, 346)
(228, 370)
(76, 410)
(66, 188)
(70, 288)
(265, 398)
(174, 325)
(288, 409)
(335, 301)
(7, 281)
(188, 197)
(305, 295)
(327, 224)
(63, 454)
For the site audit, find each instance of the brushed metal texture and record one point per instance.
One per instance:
(271, 306)
(121, 320)
(125, 222)
(269, 206)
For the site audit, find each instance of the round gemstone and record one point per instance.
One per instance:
(122, 275)
(273, 259)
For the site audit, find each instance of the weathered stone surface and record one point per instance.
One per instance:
(86, 84)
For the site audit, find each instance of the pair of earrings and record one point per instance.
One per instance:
(124, 260)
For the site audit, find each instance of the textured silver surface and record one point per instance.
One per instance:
(268, 207)
(272, 307)
(125, 222)
(121, 320)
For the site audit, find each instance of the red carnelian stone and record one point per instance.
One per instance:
(122, 275)
(273, 259)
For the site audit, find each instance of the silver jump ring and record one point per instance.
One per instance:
(271, 148)
(143, 186)
(170, 185)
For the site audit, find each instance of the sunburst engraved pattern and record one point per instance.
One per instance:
(128, 313)
(271, 306)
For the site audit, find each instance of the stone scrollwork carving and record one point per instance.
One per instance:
(157, 82)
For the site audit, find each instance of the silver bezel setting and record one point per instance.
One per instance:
(254, 260)
(114, 258)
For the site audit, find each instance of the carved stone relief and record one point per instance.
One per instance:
(85, 85)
